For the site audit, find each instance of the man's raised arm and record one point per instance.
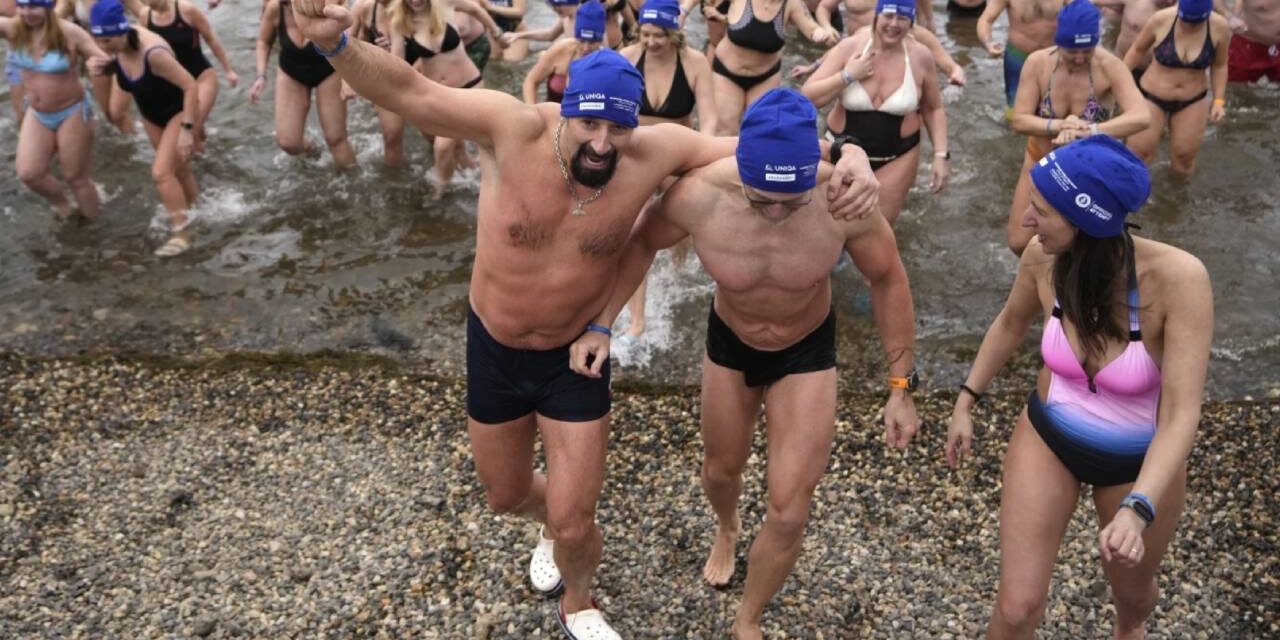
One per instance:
(390, 83)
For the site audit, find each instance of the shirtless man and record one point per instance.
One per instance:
(551, 226)
(1031, 27)
(762, 231)
(1133, 16)
(1255, 47)
(858, 14)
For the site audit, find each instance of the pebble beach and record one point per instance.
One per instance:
(232, 498)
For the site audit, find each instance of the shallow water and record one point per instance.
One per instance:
(293, 257)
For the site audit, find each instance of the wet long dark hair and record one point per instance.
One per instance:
(1089, 280)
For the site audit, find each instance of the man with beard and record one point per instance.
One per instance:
(1255, 45)
(760, 227)
(551, 226)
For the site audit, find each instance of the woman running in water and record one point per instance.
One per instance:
(1195, 39)
(509, 14)
(168, 99)
(422, 29)
(552, 66)
(749, 61)
(1127, 327)
(677, 80)
(57, 118)
(1068, 92)
(887, 86)
(302, 71)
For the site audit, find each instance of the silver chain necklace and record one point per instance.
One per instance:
(578, 210)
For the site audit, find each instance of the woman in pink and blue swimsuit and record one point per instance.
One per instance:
(1128, 323)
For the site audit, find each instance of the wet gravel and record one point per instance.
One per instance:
(239, 499)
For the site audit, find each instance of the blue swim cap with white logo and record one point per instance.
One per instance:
(588, 22)
(107, 19)
(1095, 182)
(47, 4)
(662, 13)
(905, 8)
(1079, 26)
(778, 144)
(604, 85)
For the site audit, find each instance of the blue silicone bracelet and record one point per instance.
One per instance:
(342, 44)
(599, 329)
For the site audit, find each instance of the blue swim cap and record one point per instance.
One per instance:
(899, 7)
(107, 19)
(604, 85)
(1194, 10)
(778, 144)
(563, 3)
(588, 23)
(1094, 182)
(47, 4)
(662, 13)
(1079, 25)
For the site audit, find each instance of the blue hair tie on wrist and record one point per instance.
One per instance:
(342, 44)
(599, 329)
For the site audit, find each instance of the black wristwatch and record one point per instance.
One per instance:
(840, 141)
(908, 384)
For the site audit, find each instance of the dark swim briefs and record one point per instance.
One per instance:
(814, 352)
(504, 383)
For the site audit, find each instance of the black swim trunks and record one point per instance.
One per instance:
(504, 383)
(814, 352)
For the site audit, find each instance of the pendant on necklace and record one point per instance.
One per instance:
(579, 211)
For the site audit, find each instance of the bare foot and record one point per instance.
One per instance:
(719, 566)
(746, 630)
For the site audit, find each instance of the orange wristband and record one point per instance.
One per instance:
(1219, 102)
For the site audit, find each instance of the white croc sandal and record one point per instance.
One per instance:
(587, 624)
(543, 572)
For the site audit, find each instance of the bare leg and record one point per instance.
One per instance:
(1036, 502)
(16, 93)
(1015, 234)
(1144, 143)
(293, 101)
(332, 111)
(392, 136)
(207, 88)
(165, 169)
(800, 412)
(36, 146)
(1133, 589)
(636, 306)
(75, 152)
(729, 411)
(503, 455)
(730, 103)
(754, 94)
(895, 181)
(445, 151)
(575, 475)
(1186, 132)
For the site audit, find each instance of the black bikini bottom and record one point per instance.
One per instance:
(1172, 107)
(745, 82)
(877, 133)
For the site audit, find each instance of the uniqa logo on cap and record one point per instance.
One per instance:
(587, 33)
(1084, 38)
(649, 14)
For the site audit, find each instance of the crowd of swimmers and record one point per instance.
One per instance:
(713, 149)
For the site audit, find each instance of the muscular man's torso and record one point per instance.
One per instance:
(541, 274)
(773, 284)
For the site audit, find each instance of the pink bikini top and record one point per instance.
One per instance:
(1124, 391)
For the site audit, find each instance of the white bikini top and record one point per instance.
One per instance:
(901, 102)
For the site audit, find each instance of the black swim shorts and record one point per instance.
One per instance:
(504, 383)
(814, 352)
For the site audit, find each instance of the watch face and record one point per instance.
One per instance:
(913, 380)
